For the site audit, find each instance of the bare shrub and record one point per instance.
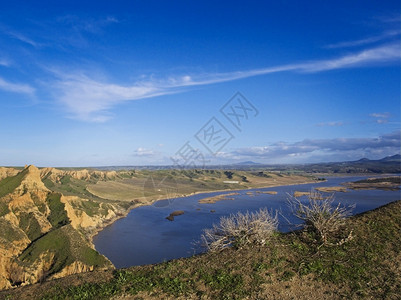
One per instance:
(322, 216)
(240, 229)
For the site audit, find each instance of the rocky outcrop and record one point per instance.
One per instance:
(31, 214)
(32, 181)
(39, 269)
(74, 268)
(80, 219)
(56, 175)
(7, 172)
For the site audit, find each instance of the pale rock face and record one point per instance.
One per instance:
(23, 199)
(10, 217)
(32, 181)
(56, 175)
(53, 174)
(74, 268)
(4, 262)
(79, 219)
(10, 248)
(30, 197)
(12, 272)
(27, 195)
(7, 172)
(38, 269)
(111, 174)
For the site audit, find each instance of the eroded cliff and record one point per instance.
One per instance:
(45, 233)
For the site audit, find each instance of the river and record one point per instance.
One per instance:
(146, 237)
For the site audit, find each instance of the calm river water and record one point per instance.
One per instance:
(146, 237)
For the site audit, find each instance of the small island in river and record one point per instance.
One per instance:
(214, 199)
(266, 192)
(381, 183)
(174, 214)
(332, 189)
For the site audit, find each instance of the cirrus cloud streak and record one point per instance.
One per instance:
(91, 100)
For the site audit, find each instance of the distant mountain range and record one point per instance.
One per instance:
(388, 164)
(396, 158)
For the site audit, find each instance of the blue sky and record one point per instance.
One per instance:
(133, 82)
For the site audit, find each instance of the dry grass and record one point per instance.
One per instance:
(117, 190)
(321, 216)
(241, 229)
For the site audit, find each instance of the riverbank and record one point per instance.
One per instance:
(368, 266)
(147, 201)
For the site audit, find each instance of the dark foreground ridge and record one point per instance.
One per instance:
(290, 266)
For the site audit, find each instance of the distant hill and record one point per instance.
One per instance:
(388, 164)
(392, 158)
(247, 163)
(395, 158)
(363, 160)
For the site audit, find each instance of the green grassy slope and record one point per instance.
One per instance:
(9, 184)
(59, 246)
(288, 267)
(58, 216)
(67, 245)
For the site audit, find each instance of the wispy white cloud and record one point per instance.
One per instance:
(16, 87)
(23, 38)
(384, 36)
(5, 62)
(89, 99)
(390, 18)
(144, 152)
(332, 124)
(380, 115)
(381, 118)
(381, 54)
(87, 25)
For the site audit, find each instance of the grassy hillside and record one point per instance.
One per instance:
(58, 216)
(70, 187)
(290, 266)
(37, 237)
(9, 184)
(67, 245)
